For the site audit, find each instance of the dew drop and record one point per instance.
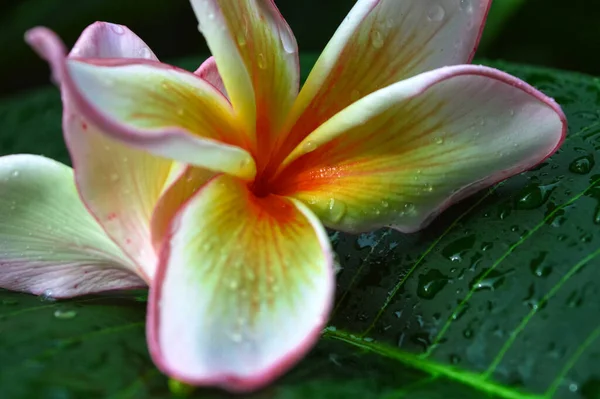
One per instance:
(533, 196)
(431, 283)
(337, 210)
(376, 39)
(287, 39)
(211, 15)
(262, 62)
(180, 389)
(145, 52)
(236, 337)
(241, 39)
(384, 204)
(15, 173)
(491, 281)
(582, 165)
(309, 146)
(537, 266)
(65, 314)
(436, 13)
(118, 29)
(46, 296)
(439, 140)
(233, 284)
(465, 4)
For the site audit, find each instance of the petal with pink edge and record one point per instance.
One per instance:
(257, 57)
(403, 154)
(151, 106)
(49, 243)
(243, 290)
(382, 42)
(106, 40)
(209, 72)
(119, 184)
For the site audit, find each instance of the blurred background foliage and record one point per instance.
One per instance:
(553, 33)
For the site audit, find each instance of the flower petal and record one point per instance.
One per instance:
(209, 72)
(257, 57)
(119, 184)
(49, 243)
(151, 106)
(243, 290)
(187, 181)
(382, 42)
(403, 154)
(106, 40)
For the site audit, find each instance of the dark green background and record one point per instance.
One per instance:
(556, 33)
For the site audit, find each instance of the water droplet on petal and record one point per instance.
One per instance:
(118, 29)
(260, 59)
(15, 173)
(465, 5)
(337, 210)
(64, 314)
(309, 146)
(241, 39)
(236, 337)
(287, 39)
(211, 15)
(376, 39)
(145, 52)
(436, 13)
(439, 140)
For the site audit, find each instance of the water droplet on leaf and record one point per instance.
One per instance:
(64, 314)
(180, 389)
(582, 165)
(430, 284)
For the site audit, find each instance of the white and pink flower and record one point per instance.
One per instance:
(214, 187)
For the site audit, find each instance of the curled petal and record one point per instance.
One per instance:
(257, 56)
(382, 42)
(209, 72)
(404, 153)
(119, 184)
(150, 106)
(49, 243)
(243, 289)
(106, 40)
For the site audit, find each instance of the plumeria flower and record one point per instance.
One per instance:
(215, 187)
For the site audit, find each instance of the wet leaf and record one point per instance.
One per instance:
(500, 297)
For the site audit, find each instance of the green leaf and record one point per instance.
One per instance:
(499, 298)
